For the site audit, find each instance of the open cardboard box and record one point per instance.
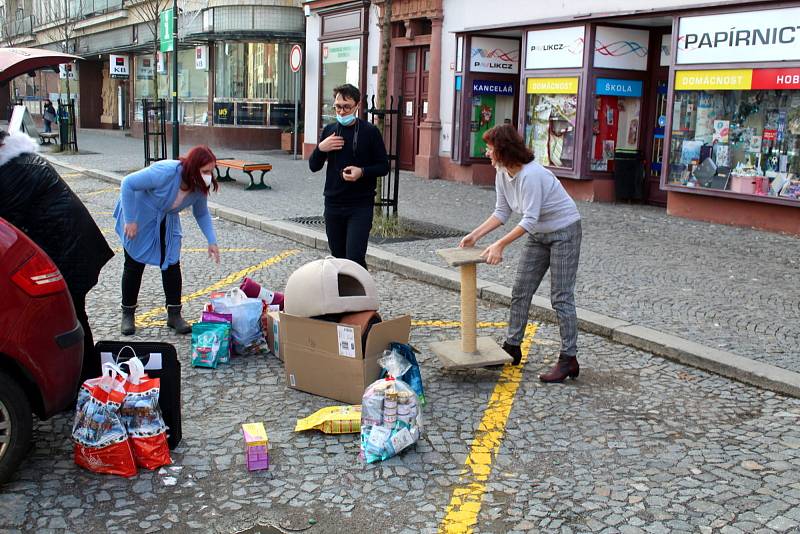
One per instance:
(325, 358)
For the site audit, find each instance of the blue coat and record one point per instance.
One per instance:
(146, 198)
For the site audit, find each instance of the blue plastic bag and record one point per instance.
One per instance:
(412, 377)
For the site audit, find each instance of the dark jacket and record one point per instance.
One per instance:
(365, 150)
(35, 199)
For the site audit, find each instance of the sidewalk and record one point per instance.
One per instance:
(723, 298)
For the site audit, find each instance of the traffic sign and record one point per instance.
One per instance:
(296, 58)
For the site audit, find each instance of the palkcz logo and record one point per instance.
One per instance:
(494, 59)
(620, 48)
(575, 48)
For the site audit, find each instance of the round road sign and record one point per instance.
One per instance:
(296, 58)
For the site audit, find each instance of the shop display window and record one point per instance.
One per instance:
(551, 106)
(616, 122)
(745, 141)
(489, 108)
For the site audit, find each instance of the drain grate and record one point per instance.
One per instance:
(397, 231)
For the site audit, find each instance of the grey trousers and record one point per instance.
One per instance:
(559, 251)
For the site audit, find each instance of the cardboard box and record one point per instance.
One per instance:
(326, 359)
(271, 322)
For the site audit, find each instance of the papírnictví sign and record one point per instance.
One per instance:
(751, 36)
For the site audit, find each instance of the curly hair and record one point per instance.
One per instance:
(508, 147)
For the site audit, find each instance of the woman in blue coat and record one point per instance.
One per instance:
(149, 225)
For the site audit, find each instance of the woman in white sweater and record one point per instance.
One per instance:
(553, 227)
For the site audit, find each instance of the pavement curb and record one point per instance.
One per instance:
(668, 346)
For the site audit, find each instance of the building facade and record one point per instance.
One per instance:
(235, 87)
(684, 104)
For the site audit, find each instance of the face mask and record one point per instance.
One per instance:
(347, 120)
(207, 179)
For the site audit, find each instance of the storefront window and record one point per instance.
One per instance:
(492, 104)
(253, 82)
(340, 64)
(737, 131)
(192, 86)
(551, 108)
(616, 121)
(150, 79)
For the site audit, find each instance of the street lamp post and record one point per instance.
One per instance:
(175, 131)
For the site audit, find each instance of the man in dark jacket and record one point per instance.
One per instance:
(356, 157)
(35, 199)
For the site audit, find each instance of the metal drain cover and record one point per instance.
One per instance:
(394, 230)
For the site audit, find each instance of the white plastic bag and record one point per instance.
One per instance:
(246, 330)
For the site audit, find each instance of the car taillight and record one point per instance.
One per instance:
(39, 276)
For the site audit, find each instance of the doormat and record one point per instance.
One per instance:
(393, 230)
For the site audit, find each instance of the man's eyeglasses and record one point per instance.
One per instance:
(344, 107)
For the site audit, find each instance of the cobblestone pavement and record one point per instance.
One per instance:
(636, 444)
(731, 288)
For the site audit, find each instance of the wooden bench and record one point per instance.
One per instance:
(47, 137)
(247, 167)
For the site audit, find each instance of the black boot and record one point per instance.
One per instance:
(175, 321)
(514, 351)
(566, 366)
(128, 326)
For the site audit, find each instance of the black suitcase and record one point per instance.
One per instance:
(160, 361)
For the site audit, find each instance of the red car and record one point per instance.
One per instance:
(41, 343)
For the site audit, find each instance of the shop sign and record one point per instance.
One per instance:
(223, 112)
(621, 48)
(552, 86)
(144, 68)
(68, 70)
(488, 87)
(488, 54)
(201, 57)
(776, 79)
(768, 35)
(555, 49)
(341, 51)
(161, 64)
(703, 80)
(118, 67)
(614, 87)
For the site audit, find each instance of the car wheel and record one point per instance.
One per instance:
(16, 424)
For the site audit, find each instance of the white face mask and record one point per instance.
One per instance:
(207, 179)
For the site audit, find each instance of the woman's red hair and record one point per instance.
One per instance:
(509, 147)
(196, 158)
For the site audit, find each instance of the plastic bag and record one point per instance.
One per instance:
(101, 441)
(332, 420)
(215, 317)
(246, 323)
(210, 344)
(412, 377)
(391, 416)
(142, 418)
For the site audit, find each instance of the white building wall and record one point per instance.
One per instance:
(311, 70)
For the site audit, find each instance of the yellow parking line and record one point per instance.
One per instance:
(465, 503)
(229, 280)
(456, 324)
(100, 191)
(119, 250)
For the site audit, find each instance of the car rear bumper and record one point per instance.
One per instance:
(68, 339)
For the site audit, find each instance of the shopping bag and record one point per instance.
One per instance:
(142, 418)
(412, 377)
(101, 441)
(160, 361)
(246, 323)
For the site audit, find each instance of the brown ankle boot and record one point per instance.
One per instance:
(566, 366)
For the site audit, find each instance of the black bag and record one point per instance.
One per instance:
(160, 361)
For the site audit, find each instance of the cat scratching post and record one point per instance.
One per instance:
(470, 350)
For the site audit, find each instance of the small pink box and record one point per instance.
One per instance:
(743, 184)
(256, 446)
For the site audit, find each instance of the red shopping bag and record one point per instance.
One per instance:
(101, 442)
(142, 418)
